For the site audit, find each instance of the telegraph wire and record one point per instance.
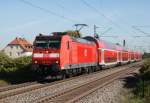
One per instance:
(48, 11)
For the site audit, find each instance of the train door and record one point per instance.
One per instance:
(119, 56)
(70, 53)
(102, 57)
(99, 57)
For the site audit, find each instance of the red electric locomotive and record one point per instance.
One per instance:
(63, 53)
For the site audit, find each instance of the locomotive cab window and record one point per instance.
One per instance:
(52, 43)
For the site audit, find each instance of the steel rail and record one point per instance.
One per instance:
(70, 93)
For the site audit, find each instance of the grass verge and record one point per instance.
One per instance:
(137, 87)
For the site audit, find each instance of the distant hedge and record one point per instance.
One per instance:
(146, 55)
(10, 65)
(146, 66)
(142, 87)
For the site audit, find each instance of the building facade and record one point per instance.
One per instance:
(18, 47)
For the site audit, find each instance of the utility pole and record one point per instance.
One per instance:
(124, 43)
(95, 33)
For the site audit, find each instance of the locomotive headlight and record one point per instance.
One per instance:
(51, 34)
(56, 61)
(55, 55)
(35, 62)
(38, 55)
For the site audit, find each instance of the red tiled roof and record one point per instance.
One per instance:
(23, 43)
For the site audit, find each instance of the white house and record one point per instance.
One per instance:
(18, 47)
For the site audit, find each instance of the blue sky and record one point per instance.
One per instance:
(20, 19)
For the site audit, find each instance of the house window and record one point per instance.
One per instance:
(18, 53)
(17, 46)
(10, 53)
(11, 47)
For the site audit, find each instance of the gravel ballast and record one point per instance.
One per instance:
(108, 94)
(112, 93)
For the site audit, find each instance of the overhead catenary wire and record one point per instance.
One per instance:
(103, 15)
(136, 28)
(60, 4)
(124, 21)
(143, 26)
(141, 31)
(110, 36)
(109, 19)
(48, 11)
(100, 13)
(106, 30)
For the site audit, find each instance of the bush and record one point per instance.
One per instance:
(146, 66)
(136, 100)
(15, 70)
(142, 89)
(10, 65)
(22, 62)
(6, 64)
(146, 55)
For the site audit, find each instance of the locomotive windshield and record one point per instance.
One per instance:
(54, 44)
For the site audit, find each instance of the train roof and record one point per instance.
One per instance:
(109, 45)
(105, 44)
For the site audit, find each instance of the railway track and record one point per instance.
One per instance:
(73, 94)
(25, 87)
(93, 76)
(11, 87)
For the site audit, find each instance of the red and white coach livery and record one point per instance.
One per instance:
(64, 53)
